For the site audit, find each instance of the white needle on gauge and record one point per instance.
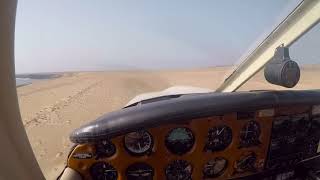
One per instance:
(219, 132)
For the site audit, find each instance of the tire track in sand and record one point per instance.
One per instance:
(46, 113)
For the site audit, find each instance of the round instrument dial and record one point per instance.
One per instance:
(219, 138)
(215, 167)
(180, 140)
(250, 134)
(138, 143)
(102, 171)
(105, 149)
(246, 163)
(179, 170)
(139, 171)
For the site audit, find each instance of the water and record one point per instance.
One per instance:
(23, 81)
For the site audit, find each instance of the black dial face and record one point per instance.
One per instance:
(179, 170)
(105, 149)
(139, 171)
(103, 171)
(219, 138)
(246, 163)
(138, 143)
(180, 140)
(250, 134)
(215, 167)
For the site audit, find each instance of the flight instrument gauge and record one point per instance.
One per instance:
(179, 170)
(140, 171)
(102, 171)
(246, 163)
(219, 138)
(179, 140)
(104, 149)
(215, 167)
(250, 134)
(138, 143)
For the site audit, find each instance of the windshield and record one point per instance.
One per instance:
(306, 53)
(78, 60)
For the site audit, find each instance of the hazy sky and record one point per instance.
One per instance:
(66, 35)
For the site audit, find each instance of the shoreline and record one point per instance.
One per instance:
(28, 79)
(39, 75)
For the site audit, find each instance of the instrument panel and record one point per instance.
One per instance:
(217, 147)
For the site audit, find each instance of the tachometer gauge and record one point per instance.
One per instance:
(179, 140)
(105, 149)
(179, 170)
(139, 171)
(103, 171)
(250, 134)
(138, 143)
(219, 138)
(215, 167)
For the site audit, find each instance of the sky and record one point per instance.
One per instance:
(79, 35)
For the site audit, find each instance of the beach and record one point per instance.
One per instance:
(52, 108)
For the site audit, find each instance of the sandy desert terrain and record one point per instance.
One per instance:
(51, 109)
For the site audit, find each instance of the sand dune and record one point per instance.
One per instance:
(51, 109)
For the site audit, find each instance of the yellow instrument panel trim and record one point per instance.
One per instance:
(160, 156)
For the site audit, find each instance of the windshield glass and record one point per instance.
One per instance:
(306, 53)
(77, 60)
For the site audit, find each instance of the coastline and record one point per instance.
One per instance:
(27, 79)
